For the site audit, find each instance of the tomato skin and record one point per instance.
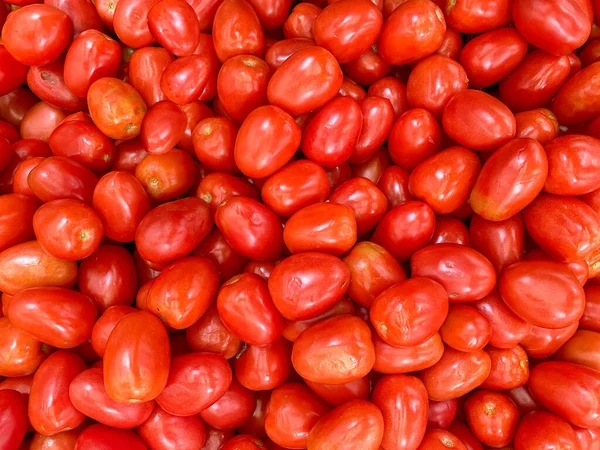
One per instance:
(130, 22)
(63, 440)
(588, 438)
(492, 416)
(437, 439)
(390, 359)
(136, 358)
(57, 316)
(377, 122)
(264, 368)
(334, 339)
(22, 352)
(526, 88)
(394, 185)
(218, 187)
(213, 141)
(541, 342)
(581, 348)
(348, 28)
(243, 442)
(227, 261)
(510, 368)
(40, 120)
(338, 394)
(539, 124)
(465, 435)
(403, 402)
(510, 180)
(281, 50)
(167, 176)
(293, 328)
(441, 414)
(209, 334)
(13, 409)
(449, 230)
(575, 102)
(237, 31)
(165, 431)
(419, 24)
(82, 13)
(467, 16)
(101, 437)
(305, 285)
(145, 70)
(36, 35)
(571, 228)
(163, 234)
(15, 104)
(266, 141)
(300, 21)
(106, 324)
(317, 76)
(129, 154)
(233, 409)
(173, 23)
(162, 127)
(48, 83)
(16, 217)
(456, 374)
(465, 328)
(196, 381)
(332, 133)
(12, 79)
(353, 425)
(540, 429)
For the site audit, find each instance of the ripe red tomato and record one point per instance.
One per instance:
(175, 26)
(299, 23)
(492, 416)
(233, 409)
(22, 352)
(540, 429)
(390, 359)
(237, 31)
(576, 101)
(146, 67)
(581, 348)
(163, 127)
(449, 230)
(101, 437)
(10, 79)
(16, 215)
(218, 187)
(478, 16)
(106, 324)
(441, 414)
(13, 417)
(510, 368)
(64, 439)
(209, 334)
(166, 176)
(264, 368)
(465, 328)
(213, 141)
(164, 430)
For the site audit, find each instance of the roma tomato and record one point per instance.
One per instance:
(394, 90)
(583, 348)
(136, 358)
(196, 381)
(209, 334)
(184, 79)
(316, 76)
(15, 104)
(281, 50)
(264, 368)
(341, 338)
(48, 83)
(10, 79)
(338, 394)
(213, 140)
(146, 67)
(233, 409)
(130, 22)
(59, 177)
(510, 179)
(456, 374)
(218, 187)
(510, 368)
(106, 324)
(59, 441)
(57, 316)
(355, 425)
(449, 230)
(174, 25)
(390, 359)
(541, 343)
(540, 430)
(308, 284)
(479, 16)
(299, 23)
(162, 127)
(227, 261)
(22, 352)
(16, 215)
(237, 31)
(377, 122)
(271, 14)
(368, 68)
(437, 439)
(576, 101)
(465, 328)
(409, 312)
(441, 414)
(166, 431)
(492, 416)
(101, 437)
(195, 112)
(40, 120)
(394, 185)
(13, 415)
(82, 13)
(539, 124)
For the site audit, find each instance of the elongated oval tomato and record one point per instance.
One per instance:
(582, 348)
(13, 416)
(465, 328)
(308, 284)
(264, 368)
(334, 351)
(22, 352)
(136, 358)
(492, 416)
(146, 67)
(390, 359)
(165, 430)
(577, 102)
(57, 316)
(16, 215)
(233, 409)
(542, 342)
(100, 436)
(510, 368)
(474, 17)
(541, 429)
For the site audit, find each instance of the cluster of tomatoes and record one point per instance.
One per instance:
(325, 225)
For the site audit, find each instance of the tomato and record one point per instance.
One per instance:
(164, 235)
(478, 121)
(48, 83)
(441, 414)
(543, 342)
(10, 80)
(348, 28)
(237, 31)
(465, 328)
(419, 25)
(292, 411)
(307, 80)
(261, 268)
(464, 435)
(510, 179)
(22, 352)
(40, 120)
(82, 13)
(377, 122)
(136, 358)
(394, 90)
(15, 104)
(256, 424)
(233, 408)
(216, 249)
(129, 154)
(218, 187)
(394, 185)
(409, 312)
(402, 400)
(510, 368)
(368, 68)
(16, 215)
(264, 368)
(281, 50)
(540, 429)
(332, 133)
(271, 14)
(308, 284)
(165, 431)
(173, 23)
(101, 437)
(162, 127)
(19, 184)
(440, 440)
(209, 334)
(581, 348)
(534, 81)
(492, 416)
(145, 70)
(539, 124)
(575, 102)
(213, 140)
(166, 176)
(106, 324)
(293, 328)
(366, 200)
(13, 415)
(130, 22)
(243, 442)
(357, 424)
(588, 437)
(338, 394)
(266, 141)
(456, 374)
(449, 230)
(300, 21)
(478, 16)
(195, 112)
(390, 359)
(36, 35)
(59, 441)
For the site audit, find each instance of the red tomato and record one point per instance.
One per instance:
(368, 68)
(377, 122)
(173, 23)
(348, 28)
(465, 329)
(218, 187)
(195, 382)
(216, 249)
(390, 359)
(36, 35)
(213, 142)
(264, 368)
(194, 111)
(165, 431)
(106, 324)
(351, 89)
(440, 440)
(394, 185)
(209, 334)
(409, 312)
(233, 409)
(342, 338)
(15, 104)
(582, 348)
(12, 79)
(82, 13)
(281, 50)
(492, 416)
(540, 430)
(576, 101)
(145, 70)
(306, 81)
(510, 179)
(129, 155)
(40, 120)
(57, 316)
(271, 13)
(16, 215)
(164, 235)
(403, 402)
(552, 382)
(419, 25)
(478, 16)
(338, 394)
(394, 90)
(162, 127)
(22, 352)
(510, 368)
(22, 171)
(308, 284)
(13, 417)
(299, 23)
(441, 414)
(237, 31)
(243, 442)
(449, 230)
(541, 342)
(465, 435)
(89, 396)
(131, 22)
(136, 358)
(59, 441)
(266, 141)
(101, 437)
(47, 82)
(184, 79)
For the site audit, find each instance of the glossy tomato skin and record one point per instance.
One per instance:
(57, 316)
(23, 353)
(218, 187)
(233, 409)
(163, 234)
(334, 339)
(173, 23)
(37, 34)
(308, 284)
(510, 179)
(541, 429)
(492, 416)
(83, 14)
(106, 324)
(465, 435)
(162, 127)
(136, 358)
(272, 14)
(542, 342)
(390, 359)
(394, 185)
(377, 121)
(14, 418)
(15, 219)
(465, 328)
(478, 16)
(48, 83)
(227, 261)
(449, 230)
(356, 424)
(196, 381)
(441, 414)
(551, 382)
(101, 437)
(209, 334)
(12, 79)
(40, 120)
(130, 22)
(185, 79)
(581, 348)
(281, 50)
(237, 31)
(419, 24)
(129, 154)
(15, 104)
(575, 102)
(402, 400)
(166, 431)
(64, 439)
(213, 140)
(348, 28)
(264, 368)
(510, 368)
(266, 141)
(27, 265)
(438, 439)
(146, 67)
(317, 76)
(368, 68)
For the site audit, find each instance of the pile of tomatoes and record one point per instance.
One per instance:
(322, 225)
